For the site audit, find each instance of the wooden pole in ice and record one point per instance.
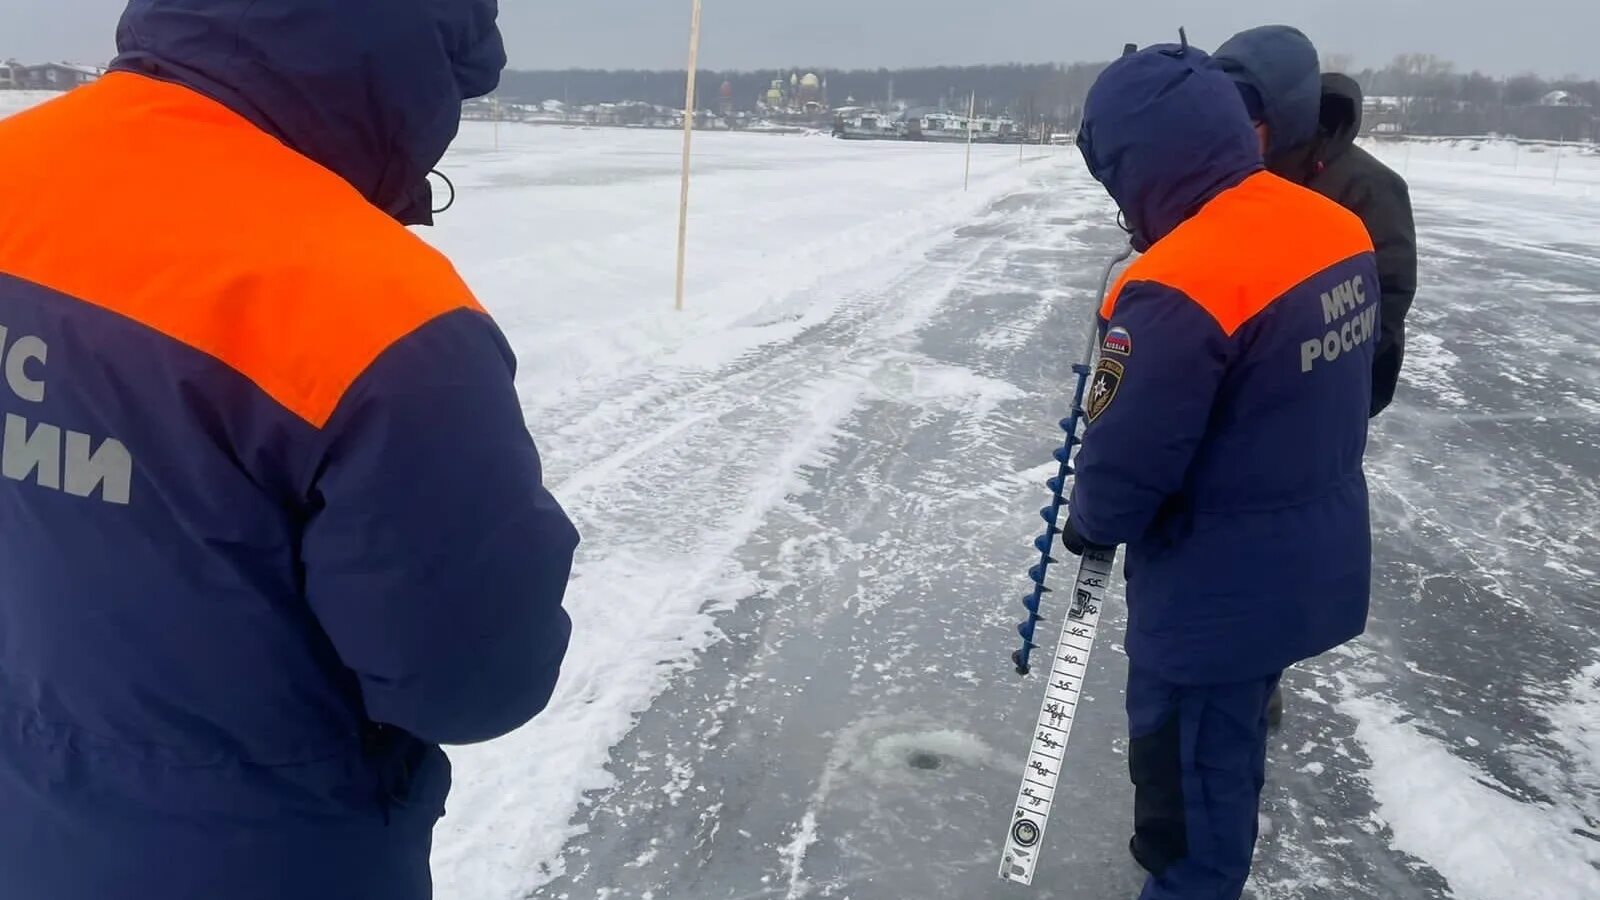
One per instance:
(688, 143)
(972, 112)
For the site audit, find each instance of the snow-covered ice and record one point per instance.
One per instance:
(13, 102)
(1484, 839)
(886, 563)
(1460, 745)
(808, 504)
(672, 437)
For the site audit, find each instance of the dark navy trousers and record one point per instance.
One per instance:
(1197, 756)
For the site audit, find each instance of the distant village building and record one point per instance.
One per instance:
(1383, 115)
(61, 76)
(1562, 98)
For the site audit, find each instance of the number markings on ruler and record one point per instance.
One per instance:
(1047, 752)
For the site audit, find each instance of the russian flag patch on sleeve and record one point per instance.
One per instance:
(1118, 341)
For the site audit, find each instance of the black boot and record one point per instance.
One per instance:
(1144, 859)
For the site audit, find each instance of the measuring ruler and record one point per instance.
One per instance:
(1047, 753)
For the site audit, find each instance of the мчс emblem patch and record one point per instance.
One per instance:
(1118, 341)
(1103, 389)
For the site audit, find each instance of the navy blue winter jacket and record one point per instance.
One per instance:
(272, 527)
(1228, 411)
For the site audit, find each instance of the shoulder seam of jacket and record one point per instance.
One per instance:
(1116, 300)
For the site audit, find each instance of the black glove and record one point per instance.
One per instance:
(1076, 544)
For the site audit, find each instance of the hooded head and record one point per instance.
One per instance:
(1341, 111)
(1165, 132)
(370, 89)
(1276, 66)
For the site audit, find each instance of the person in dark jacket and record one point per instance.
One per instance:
(1309, 124)
(1228, 421)
(274, 528)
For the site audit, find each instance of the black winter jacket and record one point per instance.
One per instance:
(1333, 166)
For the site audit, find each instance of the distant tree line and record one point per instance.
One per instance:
(1425, 77)
(1434, 97)
(1429, 97)
(1051, 92)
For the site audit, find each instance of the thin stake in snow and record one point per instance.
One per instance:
(972, 112)
(688, 145)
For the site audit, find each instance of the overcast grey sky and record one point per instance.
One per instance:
(1551, 37)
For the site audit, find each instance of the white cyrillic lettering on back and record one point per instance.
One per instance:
(1348, 294)
(1310, 352)
(36, 456)
(25, 349)
(1330, 309)
(109, 468)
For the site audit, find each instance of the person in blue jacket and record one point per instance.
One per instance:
(272, 526)
(1228, 419)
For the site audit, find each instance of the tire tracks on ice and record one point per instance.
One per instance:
(676, 471)
(779, 767)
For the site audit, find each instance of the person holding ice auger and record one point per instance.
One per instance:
(1227, 423)
(272, 526)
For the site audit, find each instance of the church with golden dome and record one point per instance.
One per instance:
(797, 96)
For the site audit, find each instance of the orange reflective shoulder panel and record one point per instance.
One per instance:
(1248, 247)
(164, 206)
